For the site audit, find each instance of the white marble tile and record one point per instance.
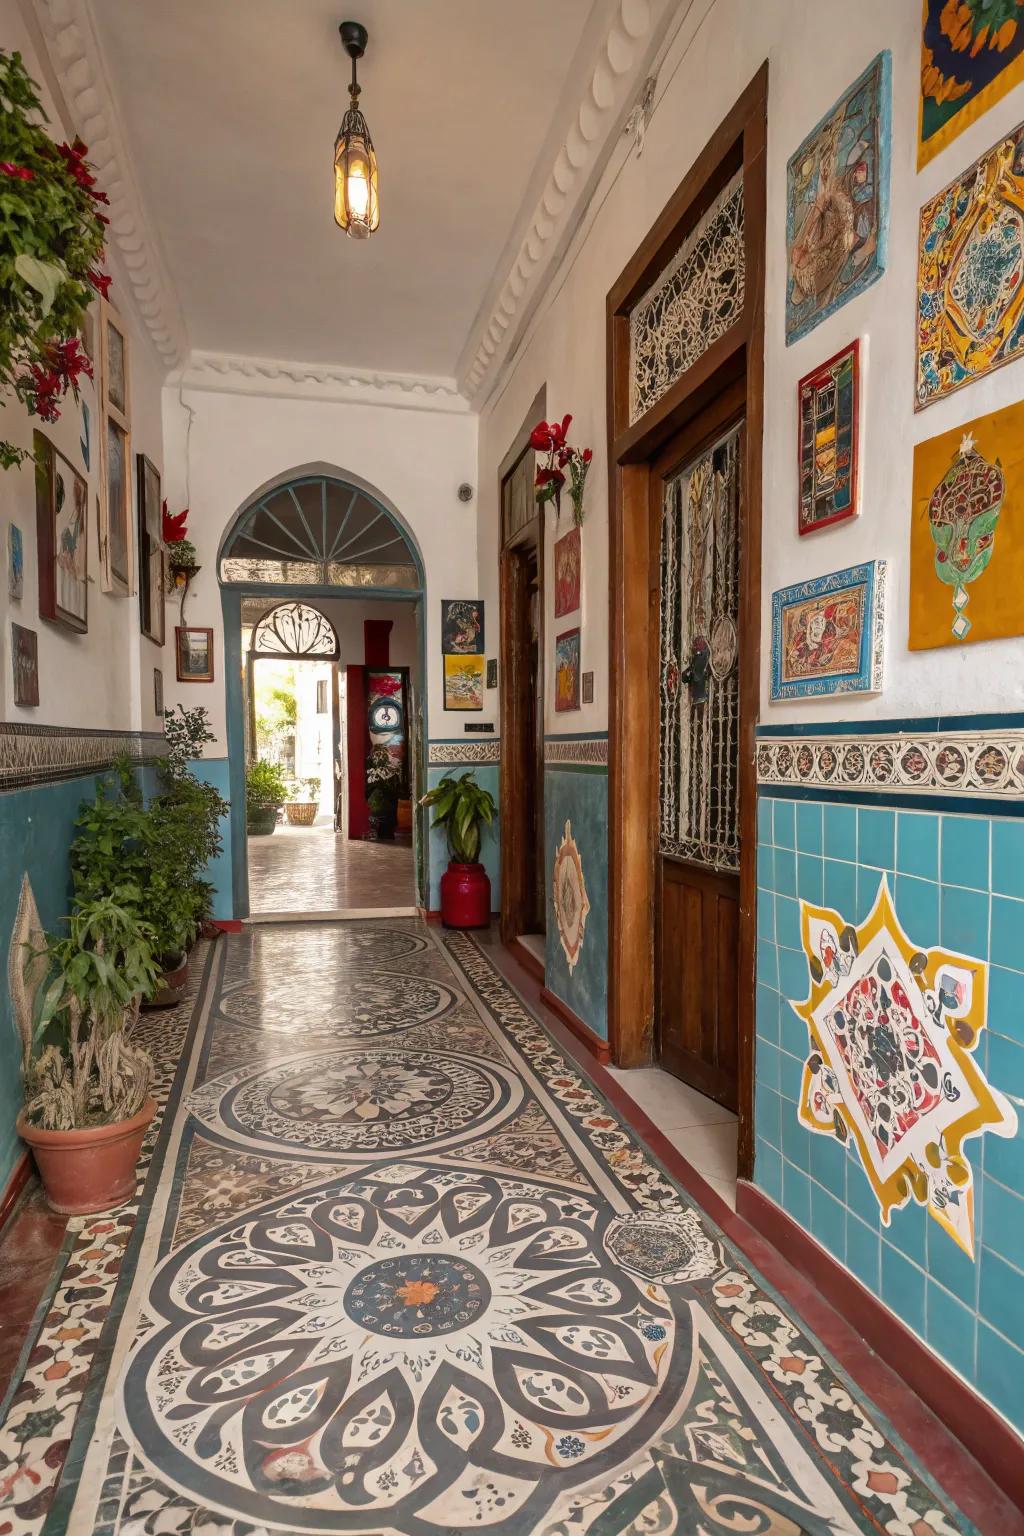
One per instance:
(668, 1101)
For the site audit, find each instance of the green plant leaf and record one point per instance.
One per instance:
(44, 276)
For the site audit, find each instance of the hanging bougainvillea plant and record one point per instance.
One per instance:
(51, 250)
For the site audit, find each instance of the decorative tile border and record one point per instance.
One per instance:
(576, 751)
(441, 753)
(988, 763)
(47, 754)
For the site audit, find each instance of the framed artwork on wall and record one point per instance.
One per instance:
(114, 431)
(151, 551)
(25, 666)
(568, 573)
(837, 202)
(15, 563)
(567, 671)
(492, 672)
(462, 627)
(828, 421)
(62, 538)
(828, 634)
(193, 654)
(967, 533)
(971, 55)
(158, 692)
(463, 682)
(970, 266)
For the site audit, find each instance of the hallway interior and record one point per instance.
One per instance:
(317, 871)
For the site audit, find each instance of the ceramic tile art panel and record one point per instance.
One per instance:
(568, 573)
(827, 447)
(967, 533)
(837, 203)
(972, 53)
(828, 634)
(970, 266)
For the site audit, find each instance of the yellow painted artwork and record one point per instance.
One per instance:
(967, 533)
(463, 682)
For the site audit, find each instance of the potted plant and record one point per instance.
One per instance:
(265, 793)
(383, 778)
(304, 802)
(182, 559)
(87, 1098)
(463, 809)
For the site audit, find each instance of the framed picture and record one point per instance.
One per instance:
(62, 538)
(828, 635)
(25, 664)
(151, 551)
(568, 573)
(463, 682)
(462, 627)
(828, 416)
(971, 55)
(492, 672)
(15, 563)
(114, 434)
(837, 202)
(567, 671)
(193, 652)
(158, 692)
(588, 687)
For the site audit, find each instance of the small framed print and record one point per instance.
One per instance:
(462, 627)
(828, 415)
(828, 635)
(113, 434)
(463, 682)
(25, 664)
(151, 551)
(587, 687)
(567, 671)
(193, 651)
(158, 692)
(492, 672)
(62, 538)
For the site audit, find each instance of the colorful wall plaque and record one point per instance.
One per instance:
(568, 573)
(15, 563)
(462, 627)
(569, 897)
(893, 1032)
(972, 53)
(828, 409)
(828, 634)
(25, 666)
(837, 203)
(567, 671)
(463, 682)
(967, 533)
(970, 274)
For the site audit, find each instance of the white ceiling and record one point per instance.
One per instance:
(231, 107)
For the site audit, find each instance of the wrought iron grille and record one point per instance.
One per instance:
(318, 532)
(692, 303)
(295, 630)
(699, 678)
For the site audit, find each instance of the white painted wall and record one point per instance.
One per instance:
(103, 678)
(415, 459)
(814, 53)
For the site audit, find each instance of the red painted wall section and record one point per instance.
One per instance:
(376, 653)
(376, 646)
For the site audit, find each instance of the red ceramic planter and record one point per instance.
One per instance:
(92, 1169)
(465, 896)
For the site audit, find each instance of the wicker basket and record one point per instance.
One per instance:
(302, 813)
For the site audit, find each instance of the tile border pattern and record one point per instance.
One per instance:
(46, 754)
(975, 762)
(576, 751)
(440, 753)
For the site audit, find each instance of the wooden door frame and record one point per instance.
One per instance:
(739, 141)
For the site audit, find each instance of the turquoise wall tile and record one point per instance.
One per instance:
(785, 871)
(810, 878)
(784, 824)
(767, 965)
(840, 832)
(767, 1013)
(767, 1115)
(863, 1251)
(841, 888)
(869, 881)
(1008, 857)
(963, 921)
(1004, 1223)
(808, 826)
(796, 1193)
(950, 1266)
(907, 1231)
(582, 799)
(216, 771)
(1003, 1156)
(860, 1197)
(903, 1288)
(1008, 932)
(791, 1073)
(795, 1143)
(1001, 1296)
(1006, 1067)
(768, 1170)
(787, 922)
(828, 1221)
(917, 844)
(793, 1036)
(766, 1066)
(764, 820)
(1000, 1373)
(765, 915)
(1006, 1002)
(766, 866)
(964, 843)
(828, 1164)
(917, 903)
(951, 1329)
(794, 978)
(876, 838)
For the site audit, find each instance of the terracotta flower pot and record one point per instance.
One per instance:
(92, 1169)
(465, 896)
(301, 813)
(172, 987)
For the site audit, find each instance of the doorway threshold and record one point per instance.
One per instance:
(334, 915)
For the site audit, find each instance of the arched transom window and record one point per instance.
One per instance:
(295, 631)
(318, 532)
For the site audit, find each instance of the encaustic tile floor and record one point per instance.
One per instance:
(395, 1265)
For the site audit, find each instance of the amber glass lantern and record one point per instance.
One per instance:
(356, 200)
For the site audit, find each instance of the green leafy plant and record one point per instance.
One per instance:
(265, 785)
(51, 248)
(80, 1067)
(304, 789)
(186, 731)
(182, 556)
(463, 808)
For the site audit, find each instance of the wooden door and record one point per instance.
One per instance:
(696, 517)
(524, 891)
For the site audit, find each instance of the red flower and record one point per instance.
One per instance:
(559, 431)
(20, 172)
(101, 282)
(550, 477)
(588, 454)
(73, 156)
(46, 389)
(540, 438)
(68, 361)
(174, 526)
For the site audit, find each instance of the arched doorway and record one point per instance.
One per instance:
(304, 545)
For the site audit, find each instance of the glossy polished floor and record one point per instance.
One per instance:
(316, 870)
(400, 1266)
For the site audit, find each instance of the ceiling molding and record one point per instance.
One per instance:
(77, 62)
(634, 32)
(237, 375)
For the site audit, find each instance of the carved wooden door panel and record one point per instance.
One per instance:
(698, 845)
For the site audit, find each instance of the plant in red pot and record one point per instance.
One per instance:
(87, 1086)
(463, 809)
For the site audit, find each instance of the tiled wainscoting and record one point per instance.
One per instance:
(576, 801)
(955, 871)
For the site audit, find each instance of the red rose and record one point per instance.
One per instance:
(588, 454)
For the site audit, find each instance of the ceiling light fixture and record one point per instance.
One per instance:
(356, 202)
